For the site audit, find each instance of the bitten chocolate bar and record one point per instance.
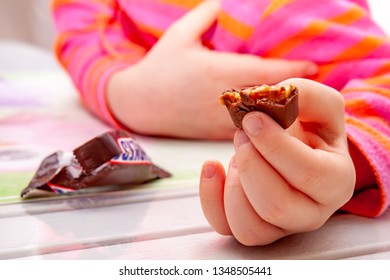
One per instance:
(113, 158)
(280, 102)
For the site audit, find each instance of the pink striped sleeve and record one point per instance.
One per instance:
(368, 126)
(92, 44)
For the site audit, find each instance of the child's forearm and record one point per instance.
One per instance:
(125, 107)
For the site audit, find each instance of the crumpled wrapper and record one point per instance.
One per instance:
(113, 158)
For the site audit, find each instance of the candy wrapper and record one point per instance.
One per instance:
(113, 158)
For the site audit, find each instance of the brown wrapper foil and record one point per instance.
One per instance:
(280, 102)
(113, 158)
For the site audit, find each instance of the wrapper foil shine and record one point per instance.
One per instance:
(113, 158)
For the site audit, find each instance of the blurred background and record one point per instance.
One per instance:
(30, 21)
(27, 21)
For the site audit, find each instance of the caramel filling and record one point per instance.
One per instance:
(274, 93)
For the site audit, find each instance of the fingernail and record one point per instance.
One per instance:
(253, 124)
(209, 171)
(240, 138)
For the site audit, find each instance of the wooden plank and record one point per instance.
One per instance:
(344, 236)
(139, 194)
(100, 226)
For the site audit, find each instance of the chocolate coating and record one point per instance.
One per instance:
(280, 102)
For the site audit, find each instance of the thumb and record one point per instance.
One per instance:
(192, 25)
(322, 106)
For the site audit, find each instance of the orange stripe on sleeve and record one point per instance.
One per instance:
(235, 27)
(55, 4)
(314, 29)
(375, 135)
(378, 81)
(362, 49)
(384, 69)
(381, 91)
(311, 31)
(274, 6)
(94, 74)
(183, 3)
(360, 107)
(350, 16)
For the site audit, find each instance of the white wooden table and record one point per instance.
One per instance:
(167, 224)
(160, 221)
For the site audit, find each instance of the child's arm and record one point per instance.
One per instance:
(175, 87)
(92, 45)
(171, 89)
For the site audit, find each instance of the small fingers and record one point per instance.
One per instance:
(247, 70)
(246, 225)
(211, 193)
(314, 172)
(270, 195)
(191, 26)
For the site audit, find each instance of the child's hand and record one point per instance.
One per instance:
(174, 89)
(282, 182)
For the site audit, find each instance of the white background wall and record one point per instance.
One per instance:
(30, 20)
(380, 10)
(27, 20)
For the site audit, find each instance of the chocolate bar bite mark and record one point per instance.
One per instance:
(278, 101)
